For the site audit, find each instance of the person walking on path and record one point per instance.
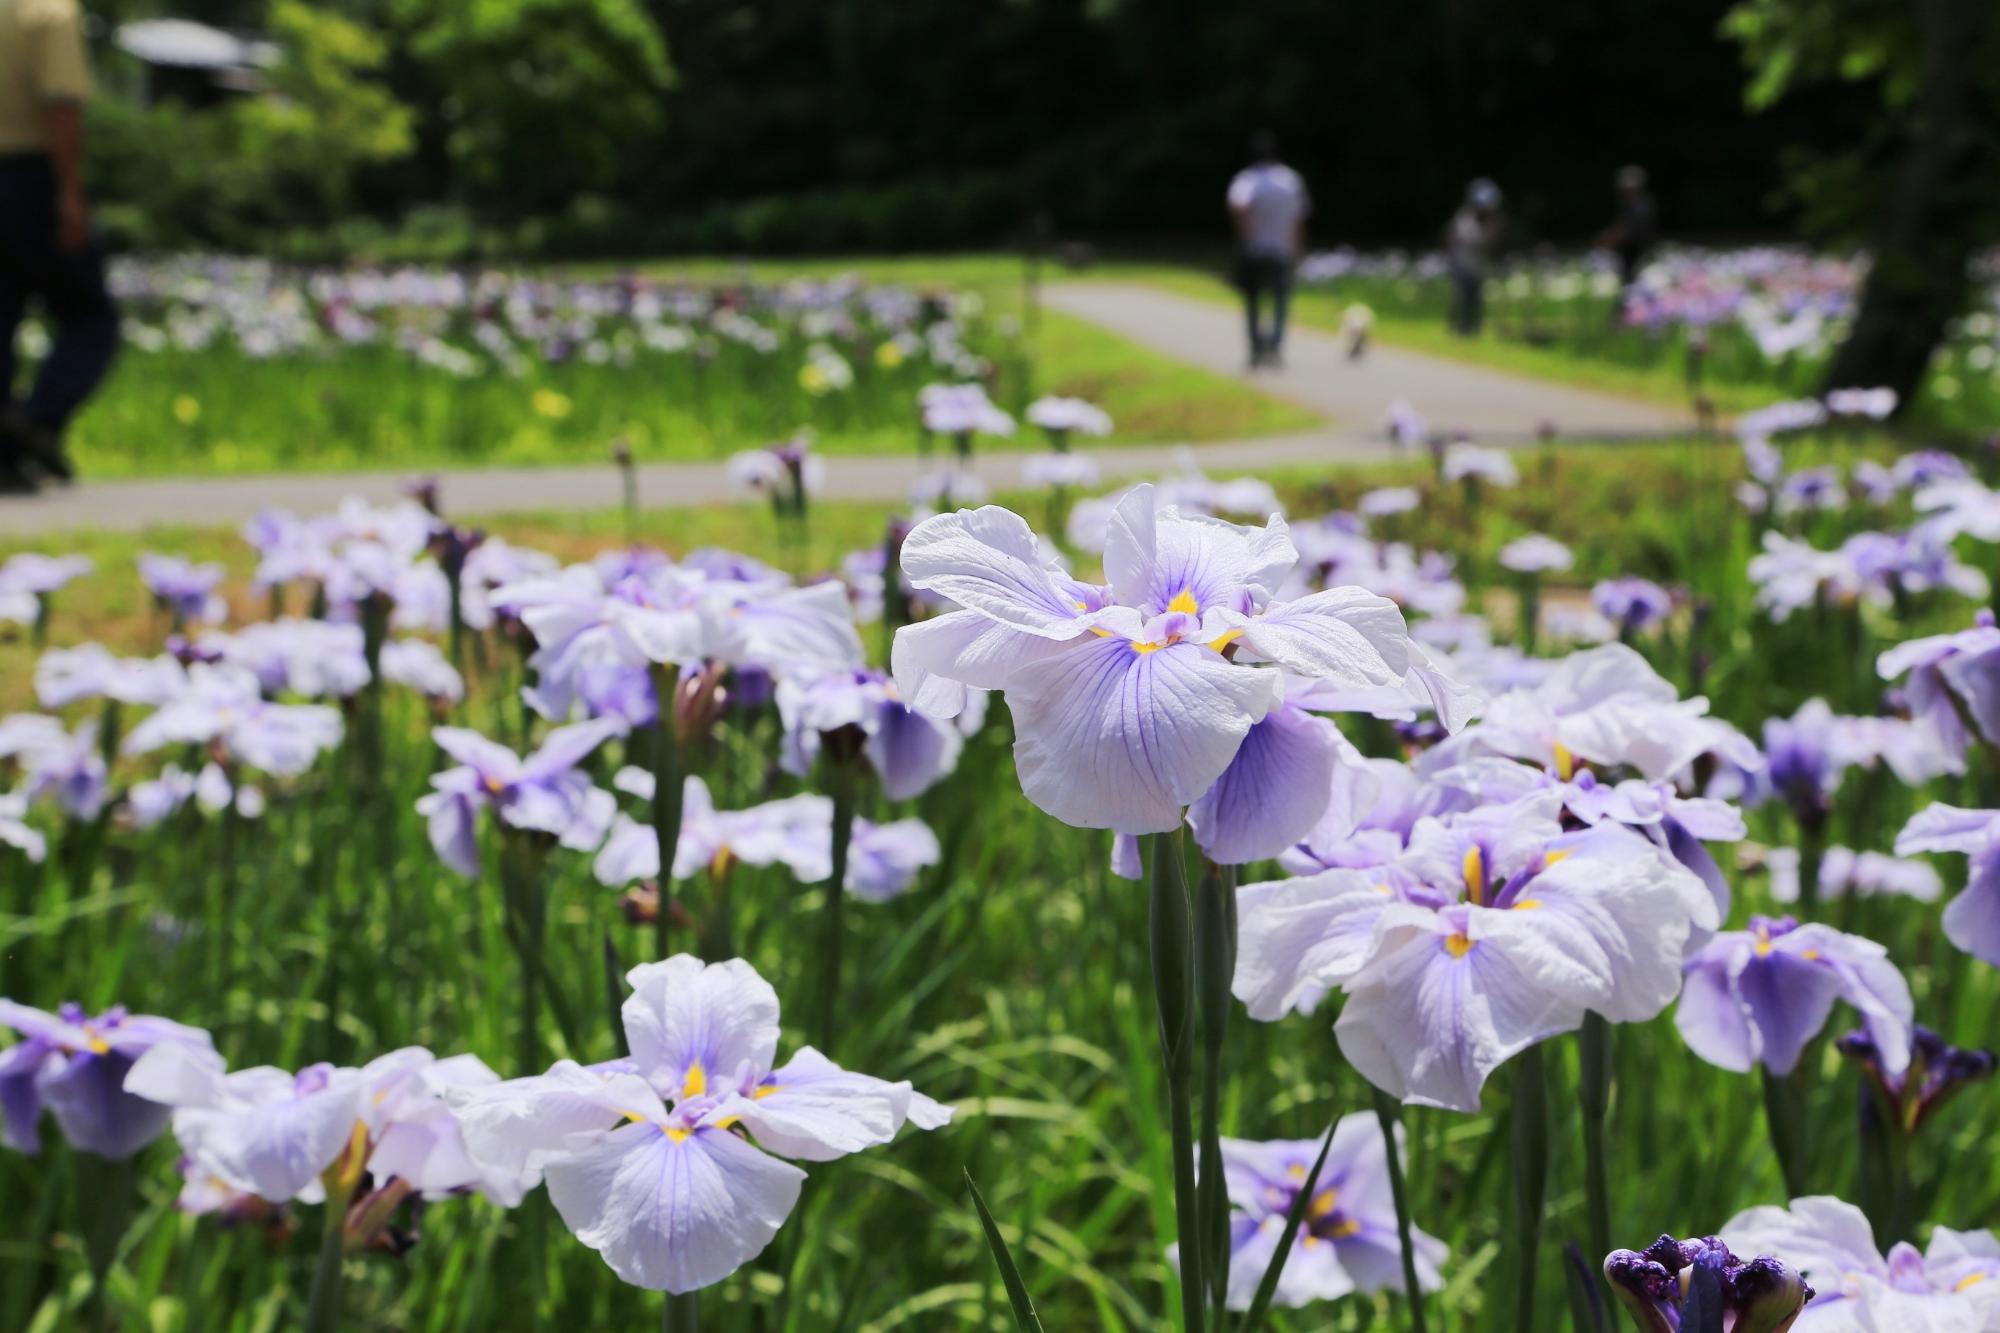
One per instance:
(1268, 203)
(1470, 239)
(47, 252)
(1630, 235)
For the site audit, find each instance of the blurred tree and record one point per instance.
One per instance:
(178, 175)
(536, 101)
(1924, 181)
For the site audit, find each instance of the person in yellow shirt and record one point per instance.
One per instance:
(48, 252)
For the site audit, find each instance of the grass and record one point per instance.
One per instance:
(218, 412)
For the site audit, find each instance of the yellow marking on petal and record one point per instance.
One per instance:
(762, 1093)
(1969, 1280)
(1323, 1203)
(696, 1081)
(1344, 1228)
(729, 1122)
(1185, 603)
(1083, 606)
(1763, 946)
(1309, 1240)
(1527, 904)
(96, 1044)
(1473, 867)
(1560, 854)
(678, 1135)
(1295, 1171)
(495, 785)
(1565, 762)
(719, 864)
(1228, 637)
(1147, 647)
(1458, 946)
(1810, 955)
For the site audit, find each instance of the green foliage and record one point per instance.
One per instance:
(537, 99)
(175, 175)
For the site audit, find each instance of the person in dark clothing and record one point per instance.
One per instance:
(1268, 204)
(1630, 235)
(1470, 239)
(47, 252)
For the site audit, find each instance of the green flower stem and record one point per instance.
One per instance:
(1389, 1114)
(1173, 998)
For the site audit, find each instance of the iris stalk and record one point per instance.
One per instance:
(1173, 998)
(666, 799)
(1215, 966)
(1388, 1113)
(1531, 1176)
(1594, 1102)
(836, 899)
(682, 1314)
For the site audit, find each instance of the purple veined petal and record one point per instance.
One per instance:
(515, 1127)
(813, 1110)
(910, 751)
(565, 748)
(489, 759)
(1972, 919)
(1788, 999)
(1621, 915)
(1709, 1017)
(988, 561)
(694, 1026)
(1975, 678)
(1454, 702)
(1947, 828)
(31, 1022)
(1297, 939)
(797, 630)
(1346, 637)
(1127, 862)
(88, 1099)
(1158, 559)
(277, 1149)
(884, 858)
(452, 822)
(594, 813)
(1685, 848)
(670, 1209)
(935, 660)
(1449, 996)
(1824, 1238)
(629, 854)
(20, 1093)
(1107, 736)
(1273, 792)
(1868, 981)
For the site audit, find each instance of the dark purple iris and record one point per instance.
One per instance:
(1700, 1287)
(1937, 1070)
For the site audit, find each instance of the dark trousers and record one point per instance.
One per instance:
(1260, 276)
(1468, 302)
(69, 286)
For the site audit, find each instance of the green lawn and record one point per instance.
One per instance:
(218, 412)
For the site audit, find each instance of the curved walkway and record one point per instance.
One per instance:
(1486, 404)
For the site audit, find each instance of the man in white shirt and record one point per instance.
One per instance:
(1268, 203)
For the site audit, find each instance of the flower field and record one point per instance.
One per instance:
(1612, 827)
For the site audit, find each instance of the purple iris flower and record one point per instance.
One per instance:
(39, 575)
(14, 829)
(74, 1065)
(909, 751)
(1493, 930)
(1130, 700)
(1937, 1070)
(224, 706)
(1758, 996)
(185, 589)
(1634, 605)
(65, 676)
(1845, 871)
(311, 658)
(1367, 822)
(883, 859)
(72, 773)
(1347, 1240)
(795, 832)
(668, 1163)
(1950, 1286)
(1954, 681)
(1972, 920)
(1664, 1284)
(544, 793)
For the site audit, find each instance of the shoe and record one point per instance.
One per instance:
(38, 446)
